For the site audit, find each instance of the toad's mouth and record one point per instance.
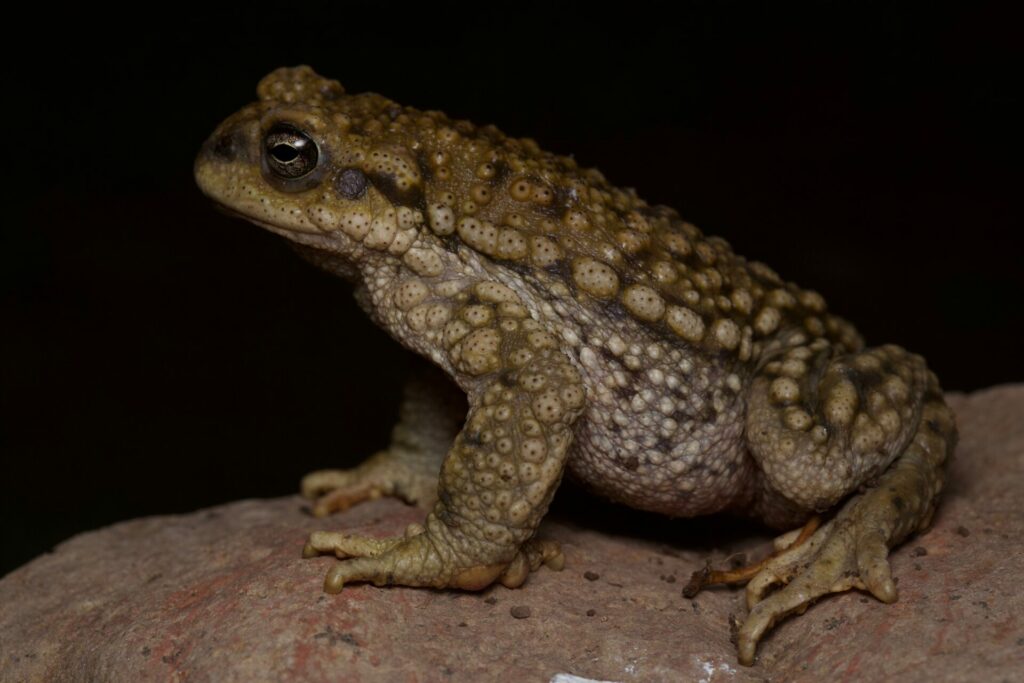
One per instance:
(318, 239)
(232, 212)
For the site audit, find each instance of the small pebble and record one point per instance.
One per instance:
(520, 612)
(919, 551)
(591, 612)
(591, 576)
(963, 531)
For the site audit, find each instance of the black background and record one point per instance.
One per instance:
(158, 356)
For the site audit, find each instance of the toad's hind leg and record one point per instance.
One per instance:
(822, 427)
(431, 413)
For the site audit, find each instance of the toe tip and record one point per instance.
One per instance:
(556, 562)
(334, 581)
(746, 653)
(886, 591)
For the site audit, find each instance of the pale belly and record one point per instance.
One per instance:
(666, 436)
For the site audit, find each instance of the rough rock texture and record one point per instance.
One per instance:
(222, 595)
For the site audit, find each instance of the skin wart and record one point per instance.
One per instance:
(570, 326)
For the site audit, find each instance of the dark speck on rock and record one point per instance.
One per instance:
(734, 628)
(963, 531)
(671, 578)
(591, 576)
(463, 624)
(591, 612)
(334, 637)
(491, 600)
(520, 612)
(919, 551)
(832, 623)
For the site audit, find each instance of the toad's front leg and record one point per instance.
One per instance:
(500, 474)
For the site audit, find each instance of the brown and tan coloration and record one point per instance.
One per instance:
(591, 333)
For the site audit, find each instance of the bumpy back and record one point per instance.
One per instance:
(563, 226)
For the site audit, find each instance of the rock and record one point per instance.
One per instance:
(222, 595)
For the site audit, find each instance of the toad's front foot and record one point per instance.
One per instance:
(431, 413)
(384, 474)
(426, 558)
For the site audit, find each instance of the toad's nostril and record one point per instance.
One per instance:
(224, 147)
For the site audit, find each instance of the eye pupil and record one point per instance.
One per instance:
(284, 153)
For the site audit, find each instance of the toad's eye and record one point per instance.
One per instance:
(289, 153)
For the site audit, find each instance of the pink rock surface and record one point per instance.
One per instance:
(222, 595)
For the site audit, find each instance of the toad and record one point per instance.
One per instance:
(589, 333)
